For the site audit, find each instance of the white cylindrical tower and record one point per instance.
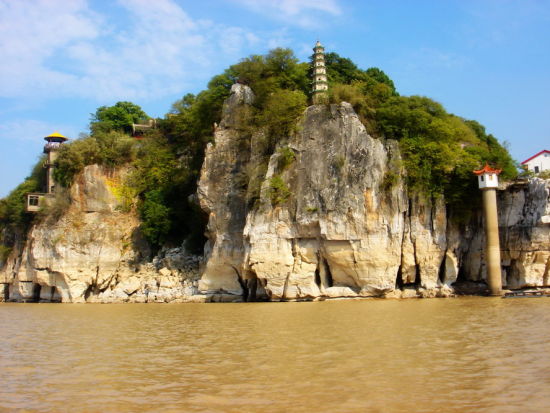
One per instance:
(488, 182)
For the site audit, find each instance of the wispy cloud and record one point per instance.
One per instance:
(425, 57)
(305, 13)
(59, 48)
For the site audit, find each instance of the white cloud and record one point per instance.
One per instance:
(305, 13)
(32, 33)
(59, 48)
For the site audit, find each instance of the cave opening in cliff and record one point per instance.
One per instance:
(323, 275)
(5, 291)
(36, 292)
(252, 287)
(88, 292)
(399, 279)
(329, 279)
(461, 277)
(441, 273)
(417, 276)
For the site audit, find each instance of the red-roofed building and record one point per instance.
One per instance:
(487, 177)
(539, 162)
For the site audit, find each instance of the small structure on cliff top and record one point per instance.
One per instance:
(488, 182)
(320, 84)
(51, 148)
(538, 162)
(138, 129)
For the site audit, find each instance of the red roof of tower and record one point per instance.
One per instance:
(487, 170)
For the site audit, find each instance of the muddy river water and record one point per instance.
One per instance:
(449, 355)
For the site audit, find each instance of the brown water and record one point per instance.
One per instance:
(448, 355)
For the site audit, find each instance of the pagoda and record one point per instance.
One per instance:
(320, 84)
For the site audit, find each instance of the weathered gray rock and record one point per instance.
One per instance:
(344, 232)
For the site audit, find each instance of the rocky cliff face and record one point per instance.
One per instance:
(326, 215)
(94, 252)
(331, 223)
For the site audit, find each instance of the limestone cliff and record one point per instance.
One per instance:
(330, 224)
(93, 252)
(324, 215)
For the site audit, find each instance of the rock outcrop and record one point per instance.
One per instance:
(325, 214)
(93, 252)
(332, 224)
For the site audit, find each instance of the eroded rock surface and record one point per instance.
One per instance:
(94, 252)
(323, 215)
(342, 230)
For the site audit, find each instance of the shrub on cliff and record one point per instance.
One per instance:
(118, 117)
(12, 207)
(107, 148)
(280, 114)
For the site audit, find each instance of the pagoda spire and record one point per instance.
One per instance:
(320, 84)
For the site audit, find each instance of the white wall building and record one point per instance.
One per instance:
(539, 162)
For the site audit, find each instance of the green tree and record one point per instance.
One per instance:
(341, 69)
(282, 109)
(118, 117)
(380, 77)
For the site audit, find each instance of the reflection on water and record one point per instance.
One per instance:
(468, 354)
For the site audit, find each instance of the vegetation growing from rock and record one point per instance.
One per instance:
(278, 190)
(110, 148)
(286, 157)
(12, 207)
(439, 149)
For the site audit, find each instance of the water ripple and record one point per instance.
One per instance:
(456, 355)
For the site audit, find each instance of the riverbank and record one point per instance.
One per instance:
(467, 289)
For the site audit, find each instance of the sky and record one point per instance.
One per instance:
(487, 60)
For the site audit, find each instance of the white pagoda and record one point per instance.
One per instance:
(320, 84)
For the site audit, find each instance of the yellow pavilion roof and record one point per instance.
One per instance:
(56, 135)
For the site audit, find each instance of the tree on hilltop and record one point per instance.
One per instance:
(118, 117)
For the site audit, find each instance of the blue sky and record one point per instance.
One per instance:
(487, 60)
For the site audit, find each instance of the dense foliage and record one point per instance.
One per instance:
(12, 207)
(108, 148)
(439, 149)
(118, 117)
